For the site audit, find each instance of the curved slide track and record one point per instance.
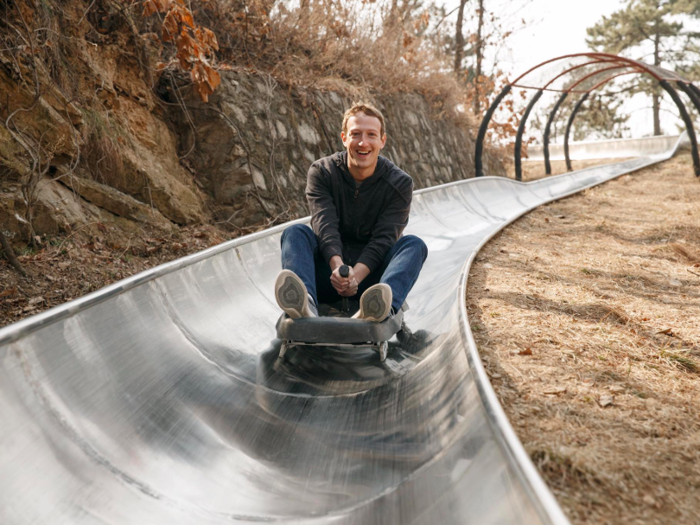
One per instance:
(160, 399)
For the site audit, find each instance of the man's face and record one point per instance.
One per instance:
(363, 141)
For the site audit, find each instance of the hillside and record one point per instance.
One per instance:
(107, 144)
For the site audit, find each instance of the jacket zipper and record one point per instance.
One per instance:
(357, 190)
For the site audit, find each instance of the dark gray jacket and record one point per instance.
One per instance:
(359, 224)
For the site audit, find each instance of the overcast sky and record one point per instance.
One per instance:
(555, 28)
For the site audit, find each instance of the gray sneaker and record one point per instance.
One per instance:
(375, 303)
(292, 296)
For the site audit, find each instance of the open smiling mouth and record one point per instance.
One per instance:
(362, 153)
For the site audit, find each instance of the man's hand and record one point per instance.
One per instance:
(345, 286)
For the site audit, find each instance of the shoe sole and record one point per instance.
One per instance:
(291, 294)
(375, 303)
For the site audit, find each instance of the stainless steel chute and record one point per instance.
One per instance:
(160, 399)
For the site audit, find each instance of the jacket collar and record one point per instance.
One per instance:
(341, 161)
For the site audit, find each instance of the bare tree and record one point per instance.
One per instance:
(459, 37)
(479, 48)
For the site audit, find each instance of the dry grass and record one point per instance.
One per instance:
(354, 47)
(586, 315)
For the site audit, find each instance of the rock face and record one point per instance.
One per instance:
(252, 144)
(94, 149)
(116, 202)
(109, 150)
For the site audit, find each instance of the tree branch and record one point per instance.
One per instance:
(10, 254)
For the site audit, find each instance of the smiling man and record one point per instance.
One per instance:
(360, 203)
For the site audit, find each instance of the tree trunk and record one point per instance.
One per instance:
(393, 13)
(459, 37)
(479, 58)
(656, 98)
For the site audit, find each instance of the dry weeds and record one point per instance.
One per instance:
(355, 47)
(586, 315)
(69, 266)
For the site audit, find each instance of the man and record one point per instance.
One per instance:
(360, 204)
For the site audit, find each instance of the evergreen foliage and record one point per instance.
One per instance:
(659, 32)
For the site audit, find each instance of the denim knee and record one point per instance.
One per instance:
(415, 243)
(297, 231)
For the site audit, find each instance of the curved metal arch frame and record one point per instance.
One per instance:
(660, 74)
(574, 68)
(688, 124)
(519, 136)
(570, 122)
(685, 116)
(550, 120)
(569, 125)
(692, 92)
(570, 89)
(603, 57)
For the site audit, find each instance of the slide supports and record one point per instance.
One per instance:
(568, 129)
(547, 164)
(519, 136)
(478, 165)
(694, 89)
(688, 123)
(693, 94)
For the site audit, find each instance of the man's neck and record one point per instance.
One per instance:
(361, 174)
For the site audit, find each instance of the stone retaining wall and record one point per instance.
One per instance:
(252, 144)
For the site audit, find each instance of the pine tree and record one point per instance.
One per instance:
(656, 28)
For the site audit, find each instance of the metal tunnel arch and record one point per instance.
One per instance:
(604, 68)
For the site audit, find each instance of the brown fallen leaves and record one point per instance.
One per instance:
(8, 292)
(66, 268)
(554, 390)
(605, 400)
(685, 252)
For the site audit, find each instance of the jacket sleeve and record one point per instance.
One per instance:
(389, 226)
(324, 215)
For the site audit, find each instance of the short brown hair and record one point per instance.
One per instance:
(366, 108)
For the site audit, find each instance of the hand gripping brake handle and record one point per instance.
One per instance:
(344, 271)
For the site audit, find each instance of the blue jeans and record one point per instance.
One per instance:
(399, 270)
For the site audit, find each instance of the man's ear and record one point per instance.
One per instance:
(342, 137)
(383, 140)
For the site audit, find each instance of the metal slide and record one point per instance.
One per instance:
(160, 399)
(606, 149)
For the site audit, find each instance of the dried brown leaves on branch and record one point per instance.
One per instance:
(355, 47)
(195, 45)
